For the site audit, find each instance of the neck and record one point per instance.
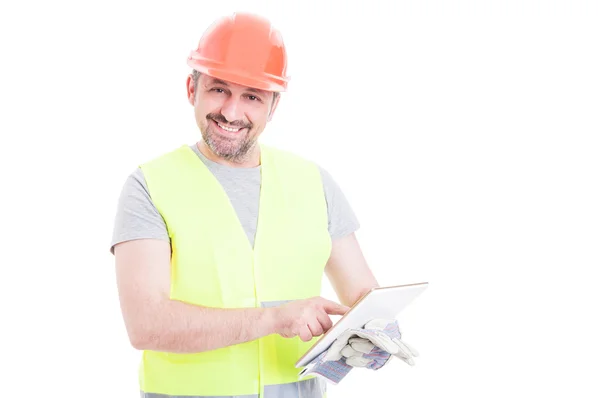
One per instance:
(252, 158)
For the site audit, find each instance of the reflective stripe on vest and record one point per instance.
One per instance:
(214, 265)
(312, 388)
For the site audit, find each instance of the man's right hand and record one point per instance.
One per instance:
(306, 318)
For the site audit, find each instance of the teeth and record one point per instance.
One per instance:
(228, 128)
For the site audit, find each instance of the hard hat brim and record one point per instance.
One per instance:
(265, 82)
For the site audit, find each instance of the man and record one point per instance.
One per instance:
(220, 247)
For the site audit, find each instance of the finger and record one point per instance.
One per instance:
(358, 362)
(325, 321)
(406, 349)
(361, 345)
(409, 361)
(343, 338)
(315, 327)
(348, 351)
(333, 353)
(305, 334)
(333, 308)
(380, 340)
(404, 355)
(410, 348)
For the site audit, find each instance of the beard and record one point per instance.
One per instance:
(234, 149)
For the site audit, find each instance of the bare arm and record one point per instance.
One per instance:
(155, 322)
(348, 271)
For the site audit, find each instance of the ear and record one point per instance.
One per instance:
(274, 106)
(191, 92)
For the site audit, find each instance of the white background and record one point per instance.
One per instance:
(464, 134)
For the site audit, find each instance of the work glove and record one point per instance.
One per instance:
(371, 347)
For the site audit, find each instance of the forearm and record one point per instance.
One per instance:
(178, 327)
(360, 291)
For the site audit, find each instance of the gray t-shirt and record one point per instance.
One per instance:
(138, 218)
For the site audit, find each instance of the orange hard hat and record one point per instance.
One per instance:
(245, 49)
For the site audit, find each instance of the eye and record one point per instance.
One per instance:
(218, 90)
(253, 98)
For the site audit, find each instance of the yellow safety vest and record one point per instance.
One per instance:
(214, 265)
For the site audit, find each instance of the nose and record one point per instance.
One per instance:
(232, 109)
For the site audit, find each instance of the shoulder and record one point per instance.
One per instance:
(281, 153)
(292, 157)
(136, 215)
(172, 156)
(326, 176)
(291, 160)
(134, 182)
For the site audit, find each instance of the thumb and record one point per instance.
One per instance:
(406, 349)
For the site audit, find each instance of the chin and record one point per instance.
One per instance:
(223, 147)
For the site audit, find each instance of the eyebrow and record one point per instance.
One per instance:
(250, 89)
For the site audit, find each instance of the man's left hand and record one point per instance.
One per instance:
(373, 346)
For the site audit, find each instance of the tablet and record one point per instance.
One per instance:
(380, 302)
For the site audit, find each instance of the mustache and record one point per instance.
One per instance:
(217, 117)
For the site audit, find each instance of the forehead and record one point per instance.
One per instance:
(209, 80)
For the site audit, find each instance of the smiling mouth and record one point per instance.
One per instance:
(227, 130)
(230, 129)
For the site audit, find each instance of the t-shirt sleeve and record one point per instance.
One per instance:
(136, 216)
(342, 218)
